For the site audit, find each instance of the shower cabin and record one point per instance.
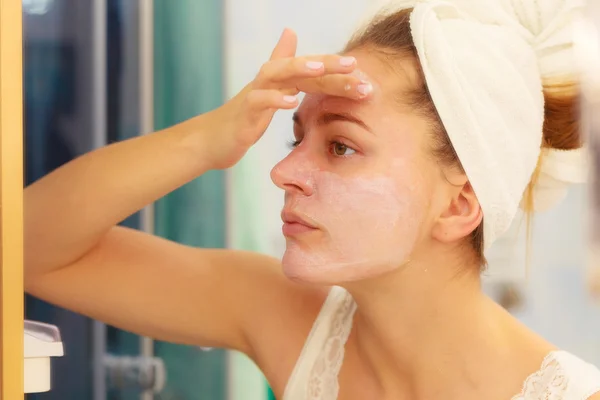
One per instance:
(94, 72)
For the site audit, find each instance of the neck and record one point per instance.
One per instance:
(429, 324)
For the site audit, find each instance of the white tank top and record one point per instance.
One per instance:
(562, 376)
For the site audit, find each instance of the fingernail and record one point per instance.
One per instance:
(347, 87)
(314, 65)
(289, 99)
(365, 88)
(347, 61)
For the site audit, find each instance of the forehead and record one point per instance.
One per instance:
(393, 81)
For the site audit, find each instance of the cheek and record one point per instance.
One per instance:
(365, 201)
(367, 215)
(370, 225)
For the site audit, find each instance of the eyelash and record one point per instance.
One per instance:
(292, 144)
(295, 143)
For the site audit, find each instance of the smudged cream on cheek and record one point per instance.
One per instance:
(370, 226)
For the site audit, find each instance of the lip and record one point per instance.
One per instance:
(294, 224)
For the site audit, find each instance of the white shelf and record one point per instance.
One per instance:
(42, 341)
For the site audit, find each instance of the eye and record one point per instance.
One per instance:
(292, 144)
(341, 150)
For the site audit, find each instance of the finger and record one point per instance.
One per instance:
(286, 72)
(292, 91)
(287, 45)
(348, 86)
(261, 100)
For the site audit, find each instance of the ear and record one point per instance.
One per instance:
(461, 218)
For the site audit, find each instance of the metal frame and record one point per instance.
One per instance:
(98, 140)
(11, 200)
(146, 88)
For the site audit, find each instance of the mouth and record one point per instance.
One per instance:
(294, 224)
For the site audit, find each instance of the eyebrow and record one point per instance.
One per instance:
(330, 117)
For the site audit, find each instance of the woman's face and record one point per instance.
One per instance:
(359, 184)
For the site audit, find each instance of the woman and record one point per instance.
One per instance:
(407, 160)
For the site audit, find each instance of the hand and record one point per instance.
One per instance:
(239, 124)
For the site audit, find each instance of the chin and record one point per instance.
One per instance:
(301, 272)
(330, 272)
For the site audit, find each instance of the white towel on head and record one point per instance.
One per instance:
(484, 63)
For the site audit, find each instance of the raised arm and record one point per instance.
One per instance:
(76, 256)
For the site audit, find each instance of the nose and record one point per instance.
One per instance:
(294, 174)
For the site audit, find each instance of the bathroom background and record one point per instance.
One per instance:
(85, 85)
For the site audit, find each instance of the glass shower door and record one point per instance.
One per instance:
(88, 81)
(62, 119)
(80, 91)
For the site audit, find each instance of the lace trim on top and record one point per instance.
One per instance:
(323, 382)
(562, 376)
(548, 383)
(553, 381)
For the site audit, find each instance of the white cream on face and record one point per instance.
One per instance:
(369, 226)
(371, 206)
